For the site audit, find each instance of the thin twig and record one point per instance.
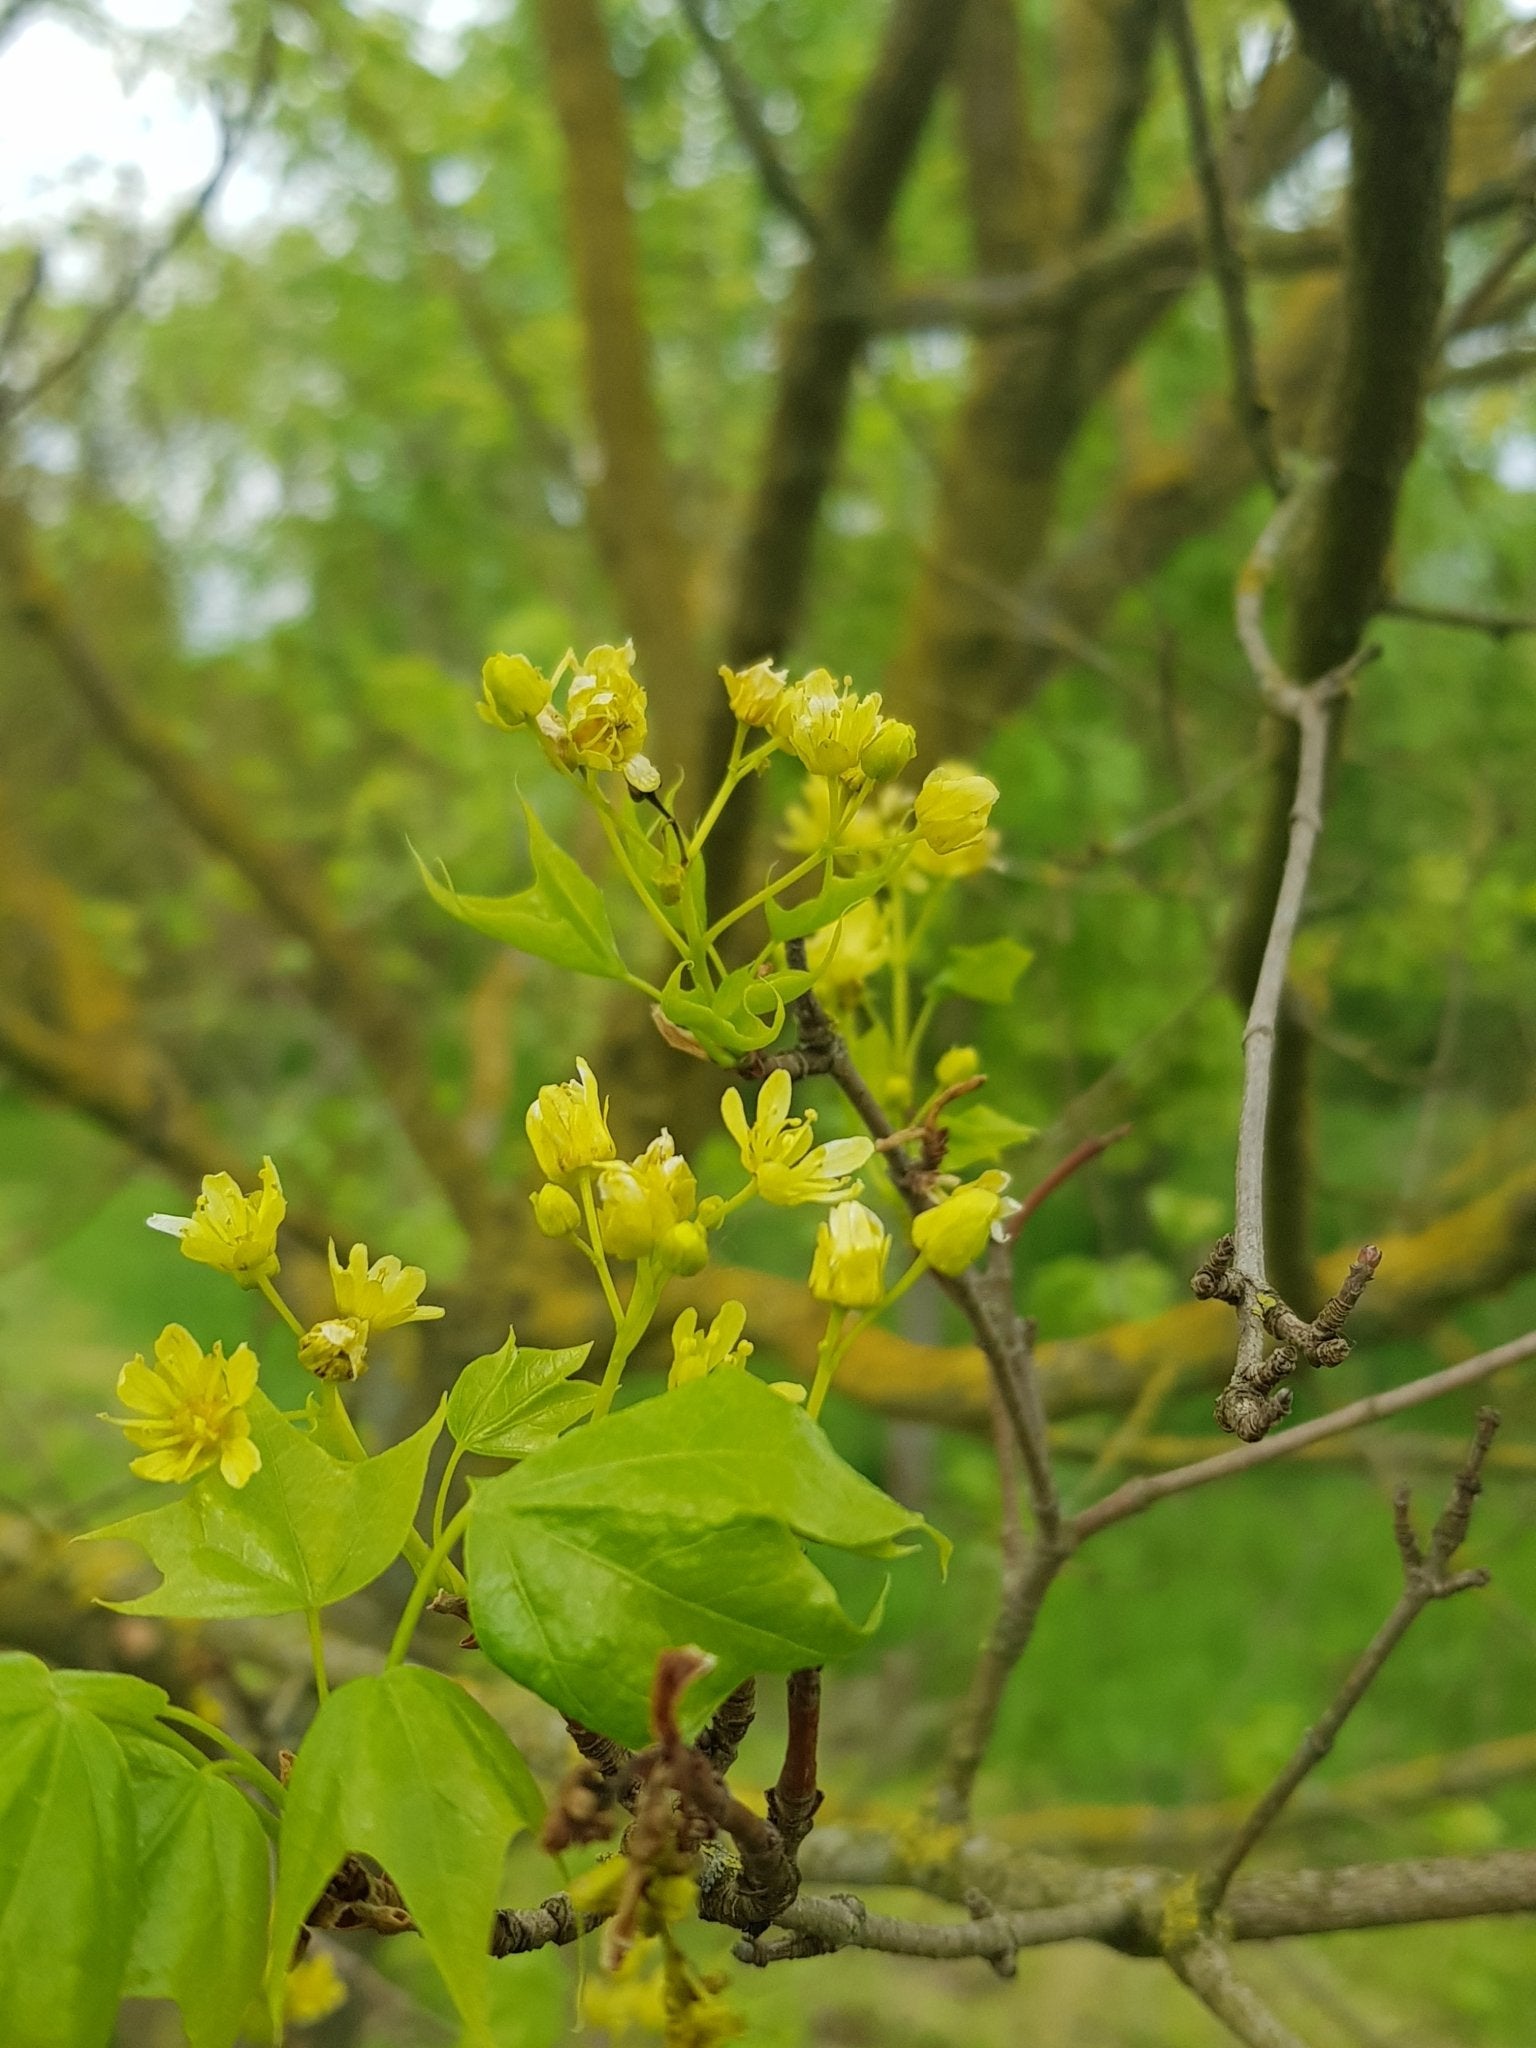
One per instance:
(1138, 1494)
(1426, 1578)
(794, 1801)
(1255, 419)
(1467, 618)
(819, 1926)
(1205, 1966)
(122, 300)
(752, 131)
(1079, 1157)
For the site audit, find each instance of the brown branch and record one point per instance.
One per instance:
(1205, 1966)
(752, 131)
(727, 1730)
(1139, 1494)
(1426, 1578)
(126, 295)
(1080, 1156)
(1254, 417)
(348, 985)
(793, 1802)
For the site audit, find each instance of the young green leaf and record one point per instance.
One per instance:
(835, 900)
(514, 1401)
(66, 1864)
(988, 973)
(560, 917)
(407, 1768)
(306, 1530)
(201, 1894)
(978, 1132)
(680, 1520)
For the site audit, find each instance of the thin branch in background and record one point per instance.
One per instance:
(1482, 295)
(1139, 1494)
(234, 134)
(752, 131)
(1255, 418)
(1466, 618)
(1254, 1400)
(1206, 1967)
(1080, 1156)
(1426, 1577)
(19, 311)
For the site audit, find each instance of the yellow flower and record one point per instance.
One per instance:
(953, 807)
(336, 1349)
(825, 726)
(631, 1999)
(568, 1126)
(808, 822)
(954, 1233)
(846, 954)
(605, 717)
(848, 1268)
(640, 1202)
(195, 1405)
(893, 746)
(555, 1211)
(383, 1295)
(513, 691)
(776, 1149)
(754, 692)
(958, 866)
(235, 1232)
(312, 1991)
(697, 1353)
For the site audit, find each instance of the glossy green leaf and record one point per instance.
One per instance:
(978, 1132)
(306, 1531)
(407, 1768)
(722, 1023)
(516, 1400)
(835, 900)
(987, 973)
(201, 1894)
(561, 916)
(67, 1858)
(680, 1520)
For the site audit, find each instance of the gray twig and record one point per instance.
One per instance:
(777, 179)
(1205, 1966)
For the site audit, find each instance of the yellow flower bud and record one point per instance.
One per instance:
(567, 1126)
(754, 692)
(513, 691)
(641, 1201)
(684, 1249)
(696, 1353)
(953, 807)
(824, 726)
(711, 1213)
(892, 747)
(336, 1349)
(960, 1063)
(234, 1232)
(790, 1391)
(848, 1268)
(556, 1211)
(954, 1234)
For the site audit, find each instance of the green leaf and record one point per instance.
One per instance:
(979, 1132)
(680, 1520)
(306, 1531)
(513, 1402)
(407, 1768)
(720, 1022)
(560, 917)
(66, 1864)
(987, 973)
(201, 1894)
(799, 920)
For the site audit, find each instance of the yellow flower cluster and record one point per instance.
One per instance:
(603, 725)
(368, 1299)
(312, 1990)
(848, 1267)
(646, 1206)
(567, 1126)
(780, 1154)
(234, 1232)
(954, 1233)
(193, 1403)
(696, 1353)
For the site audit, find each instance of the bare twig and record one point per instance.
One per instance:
(1426, 1577)
(1138, 1494)
(722, 1739)
(234, 134)
(1080, 1156)
(1253, 1399)
(1255, 418)
(1206, 1967)
(1467, 618)
(819, 1926)
(752, 131)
